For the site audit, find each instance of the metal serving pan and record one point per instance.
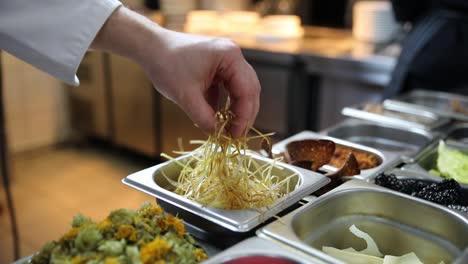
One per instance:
(388, 159)
(437, 102)
(399, 223)
(459, 133)
(261, 250)
(406, 142)
(427, 159)
(420, 176)
(403, 118)
(211, 221)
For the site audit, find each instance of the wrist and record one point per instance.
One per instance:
(131, 35)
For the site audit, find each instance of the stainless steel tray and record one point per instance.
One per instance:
(399, 224)
(152, 181)
(403, 118)
(459, 133)
(436, 102)
(261, 247)
(407, 142)
(417, 175)
(389, 159)
(426, 161)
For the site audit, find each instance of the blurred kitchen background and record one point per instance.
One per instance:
(69, 147)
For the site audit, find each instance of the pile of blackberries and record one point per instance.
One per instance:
(447, 192)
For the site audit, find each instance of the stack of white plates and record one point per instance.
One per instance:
(239, 23)
(373, 21)
(175, 12)
(280, 27)
(202, 22)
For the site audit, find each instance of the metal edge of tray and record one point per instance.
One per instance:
(261, 246)
(432, 136)
(453, 128)
(356, 112)
(234, 220)
(389, 159)
(276, 230)
(400, 103)
(416, 169)
(403, 173)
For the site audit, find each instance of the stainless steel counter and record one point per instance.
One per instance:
(329, 52)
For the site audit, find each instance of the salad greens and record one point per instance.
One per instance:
(148, 235)
(451, 163)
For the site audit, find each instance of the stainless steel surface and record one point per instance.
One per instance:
(371, 68)
(256, 246)
(153, 182)
(407, 118)
(399, 224)
(418, 175)
(335, 93)
(428, 160)
(134, 110)
(459, 133)
(389, 159)
(23, 260)
(436, 102)
(406, 142)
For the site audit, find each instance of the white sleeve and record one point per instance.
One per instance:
(52, 35)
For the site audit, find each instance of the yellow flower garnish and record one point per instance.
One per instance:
(154, 251)
(150, 211)
(162, 223)
(111, 260)
(104, 225)
(71, 234)
(126, 231)
(179, 227)
(200, 254)
(145, 236)
(79, 260)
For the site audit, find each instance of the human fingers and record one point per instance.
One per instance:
(243, 88)
(199, 109)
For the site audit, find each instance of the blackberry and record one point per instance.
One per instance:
(434, 197)
(458, 207)
(451, 196)
(434, 193)
(447, 184)
(410, 186)
(386, 180)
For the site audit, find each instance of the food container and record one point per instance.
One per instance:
(423, 176)
(257, 250)
(398, 223)
(444, 104)
(459, 133)
(210, 223)
(427, 160)
(403, 118)
(387, 159)
(406, 142)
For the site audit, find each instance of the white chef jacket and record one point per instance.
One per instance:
(52, 35)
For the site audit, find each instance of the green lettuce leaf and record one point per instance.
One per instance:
(452, 163)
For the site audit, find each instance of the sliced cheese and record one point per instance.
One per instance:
(372, 248)
(351, 257)
(409, 258)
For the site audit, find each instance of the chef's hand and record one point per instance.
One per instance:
(187, 69)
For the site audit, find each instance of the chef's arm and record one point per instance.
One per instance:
(187, 69)
(52, 35)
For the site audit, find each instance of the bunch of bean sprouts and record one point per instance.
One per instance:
(222, 174)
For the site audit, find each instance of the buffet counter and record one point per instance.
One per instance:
(328, 51)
